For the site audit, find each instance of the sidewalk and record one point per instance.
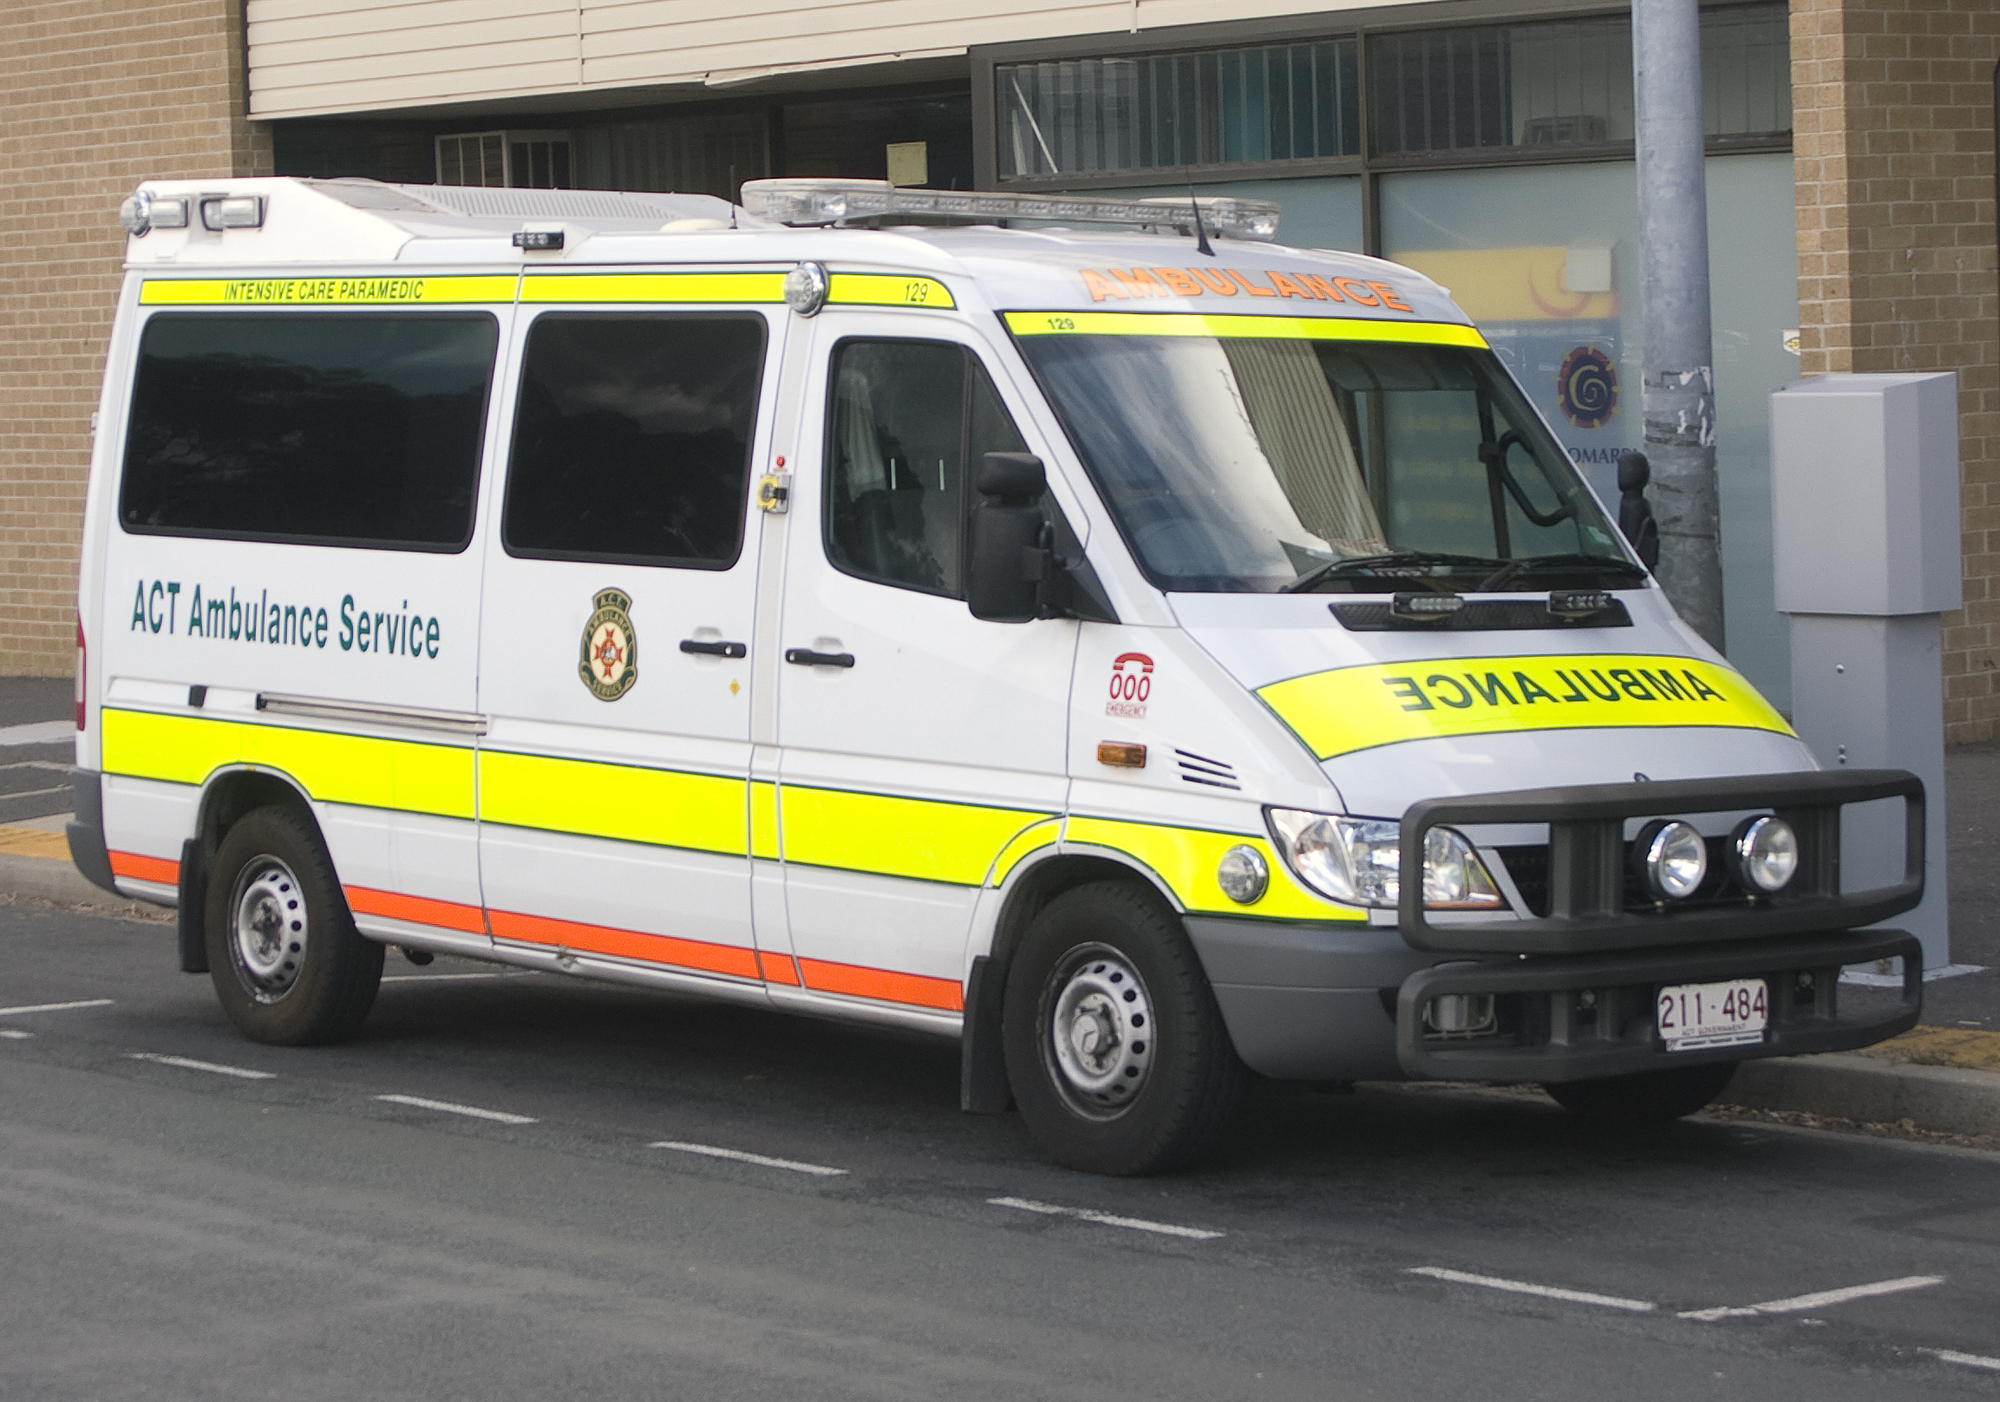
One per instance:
(1941, 1078)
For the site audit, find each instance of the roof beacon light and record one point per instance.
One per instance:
(802, 202)
(143, 212)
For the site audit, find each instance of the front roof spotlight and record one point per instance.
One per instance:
(1765, 853)
(1672, 858)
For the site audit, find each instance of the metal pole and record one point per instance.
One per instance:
(1678, 379)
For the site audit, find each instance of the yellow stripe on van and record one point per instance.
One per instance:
(1281, 328)
(693, 288)
(888, 290)
(1186, 859)
(910, 837)
(325, 291)
(764, 820)
(699, 812)
(404, 775)
(1357, 708)
(1030, 839)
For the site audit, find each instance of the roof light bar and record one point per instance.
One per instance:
(824, 202)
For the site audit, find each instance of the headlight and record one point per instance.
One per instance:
(1358, 861)
(1673, 859)
(1765, 852)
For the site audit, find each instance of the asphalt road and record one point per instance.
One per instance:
(188, 1215)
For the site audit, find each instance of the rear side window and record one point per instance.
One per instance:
(632, 441)
(332, 429)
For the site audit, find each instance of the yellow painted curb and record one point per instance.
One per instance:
(33, 842)
(1941, 1046)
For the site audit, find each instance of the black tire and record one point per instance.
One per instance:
(1643, 1098)
(1148, 1079)
(283, 953)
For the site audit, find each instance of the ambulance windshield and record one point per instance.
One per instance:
(1252, 464)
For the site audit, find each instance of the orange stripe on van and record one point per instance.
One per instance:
(778, 968)
(626, 944)
(145, 868)
(882, 985)
(418, 910)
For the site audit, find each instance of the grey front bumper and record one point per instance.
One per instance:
(1346, 1001)
(1550, 1031)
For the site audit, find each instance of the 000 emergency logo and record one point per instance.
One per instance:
(610, 663)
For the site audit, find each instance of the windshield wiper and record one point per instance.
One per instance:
(1534, 564)
(1333, 569)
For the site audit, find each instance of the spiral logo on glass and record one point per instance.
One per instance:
(1587, 387)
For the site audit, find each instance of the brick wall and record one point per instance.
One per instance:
(95, 95)
(1893, 109)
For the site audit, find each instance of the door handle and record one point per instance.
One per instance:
(714, 649)
(806, 657)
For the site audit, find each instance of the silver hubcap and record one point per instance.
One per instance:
(1100, 1030)
(269, 939)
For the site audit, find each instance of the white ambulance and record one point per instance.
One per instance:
(1082, 628)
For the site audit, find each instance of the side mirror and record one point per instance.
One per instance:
(1635, 513)
(1015, 477)
(1009, 554)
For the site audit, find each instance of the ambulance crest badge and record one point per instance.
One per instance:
(610, 662)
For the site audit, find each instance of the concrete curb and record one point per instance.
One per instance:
(45, 880)
(1842, 1085)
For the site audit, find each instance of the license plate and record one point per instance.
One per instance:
(1698, 1015)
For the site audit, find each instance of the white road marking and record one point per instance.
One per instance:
(451, 1108)
(1527, 1287)
(188, 1063)
(1814, 1301)
(41, 732)
(1970, 1360)
(1106, 1219)
(817, 1169)
(14, 1034)
(56, 1007)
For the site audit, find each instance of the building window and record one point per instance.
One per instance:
(531, 160)
(1500, 90)
(1746, 71)
(1167, 111)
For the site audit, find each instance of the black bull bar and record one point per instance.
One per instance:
(1537, 967)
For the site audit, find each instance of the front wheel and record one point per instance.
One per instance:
(1116, 1052)
(286, 961)
(1642, 1098)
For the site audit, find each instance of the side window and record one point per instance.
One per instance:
(632, 439)
(905, 422)
(338, 429)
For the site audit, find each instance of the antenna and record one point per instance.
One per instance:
(735, 193)
(1201, 244)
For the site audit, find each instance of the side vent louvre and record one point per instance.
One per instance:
(1211, 772)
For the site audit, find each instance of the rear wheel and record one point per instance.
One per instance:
(284, 956)
(1116, 1052)
(1643, 1097)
